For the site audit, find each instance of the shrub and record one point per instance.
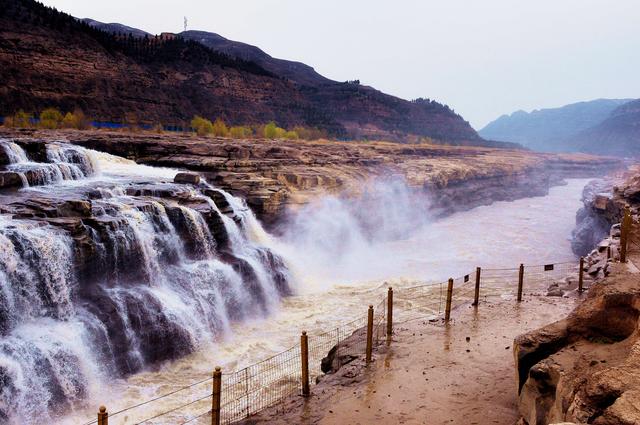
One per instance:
(51, 118)
(240, 132)
(220, 128)
(22, 119)
(307, 133)
(201, 126)
(131, 122)
(77, 120)
(291, 135)
(272, 131)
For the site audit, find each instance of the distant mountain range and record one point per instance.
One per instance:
(556, 129)
(112, 71)
(618, 134)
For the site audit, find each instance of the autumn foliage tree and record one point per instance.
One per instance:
(51, 118)
(201, 126)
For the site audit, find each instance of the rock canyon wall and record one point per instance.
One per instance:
(584, 369)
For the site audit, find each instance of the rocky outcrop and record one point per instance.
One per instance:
(274, 176)
(595, 218)
(604, 201)
(584, 369)
(130, 263)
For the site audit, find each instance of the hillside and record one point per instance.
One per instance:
(550, 129)
(48, 58)
(619, 134)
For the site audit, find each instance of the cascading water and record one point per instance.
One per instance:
(112, 268)
(63, 162)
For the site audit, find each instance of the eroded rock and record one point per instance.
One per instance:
(585, 369)
(187, 178)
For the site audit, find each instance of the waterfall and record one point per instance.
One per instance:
(113, 274)
(63, 162)
(15, 154)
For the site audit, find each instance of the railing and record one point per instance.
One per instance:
(231, 397)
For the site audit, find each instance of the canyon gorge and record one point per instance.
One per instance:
(131, 264)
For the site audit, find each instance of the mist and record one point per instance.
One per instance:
(389, 233)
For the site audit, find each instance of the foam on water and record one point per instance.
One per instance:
(148, 298)
(336, 283)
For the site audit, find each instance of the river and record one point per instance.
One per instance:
(340, 266)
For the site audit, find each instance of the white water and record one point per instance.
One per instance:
(341, 266)
(341, 253)
(56, 349)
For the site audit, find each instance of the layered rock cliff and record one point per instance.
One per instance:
(584, 369)
(274, 176)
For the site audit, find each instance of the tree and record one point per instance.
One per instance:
(272, 131)
(307, 133)
(201, 126)
(220, 128)
(77, 120)
(291, 135)
(20, 119)
(51, 118)
(240, 132)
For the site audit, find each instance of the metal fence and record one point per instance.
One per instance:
(268, 383)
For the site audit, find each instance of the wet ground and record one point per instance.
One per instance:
(433, 374)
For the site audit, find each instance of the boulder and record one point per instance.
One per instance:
(187, 178)
(10, 179)
(584, 369)
(600, 202)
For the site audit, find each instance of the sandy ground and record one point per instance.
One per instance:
(462, 373)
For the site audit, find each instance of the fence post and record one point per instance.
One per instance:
(389, 313)
(447, 309)
(520, 282)
(216, 395)
(103, 416)
(246, 388)
(624, 233)
(369, 333)
(476, 297)
(304, 350)
(581, 274)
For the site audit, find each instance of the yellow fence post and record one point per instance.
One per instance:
(520, 282)
(581, 274)
(389, 313)
(369, 333)
(476, 296)
(216, 396)
(447, 311)
(625, 228)
(304, 350)
(103, 416)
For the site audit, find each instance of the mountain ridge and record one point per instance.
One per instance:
(618, 134)
(48, 58)
(550, 128)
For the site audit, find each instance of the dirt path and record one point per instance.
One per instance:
(432, 374)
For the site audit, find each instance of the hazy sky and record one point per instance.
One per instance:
(483, 58)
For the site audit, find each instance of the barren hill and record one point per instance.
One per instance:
(48, 58)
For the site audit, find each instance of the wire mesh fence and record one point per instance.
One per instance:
(261, 385)
(426, 300)
(268, 383)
